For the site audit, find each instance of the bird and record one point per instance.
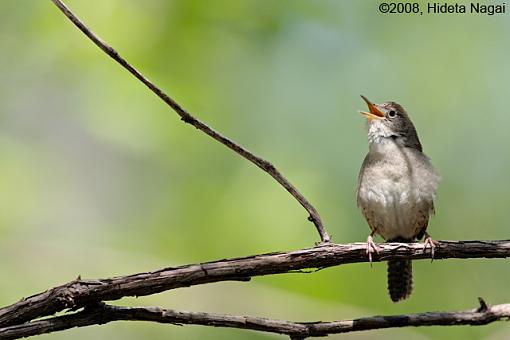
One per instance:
(396, 189)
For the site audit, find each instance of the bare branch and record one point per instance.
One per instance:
(80, 293)
(102, 313)
(188, 118)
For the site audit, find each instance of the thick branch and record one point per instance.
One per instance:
(80, 293)
(188, 118)
(101, 314)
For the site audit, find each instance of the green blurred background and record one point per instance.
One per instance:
(99, 178)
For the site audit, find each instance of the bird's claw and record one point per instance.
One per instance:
(429, 242)
(371, 248)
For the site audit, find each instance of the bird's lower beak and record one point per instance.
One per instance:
(375, 112)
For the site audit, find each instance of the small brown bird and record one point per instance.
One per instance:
(396, 188)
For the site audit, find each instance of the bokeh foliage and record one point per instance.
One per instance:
(99, 178)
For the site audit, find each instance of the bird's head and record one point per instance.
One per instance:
(389, 120)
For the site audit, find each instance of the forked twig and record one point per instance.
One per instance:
(188, 118)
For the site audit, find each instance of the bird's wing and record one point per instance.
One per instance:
(422, 220)
(360, 178)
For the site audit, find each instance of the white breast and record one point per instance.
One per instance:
(396, 190)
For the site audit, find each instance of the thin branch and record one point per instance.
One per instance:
(80, 293)
(188, 118)
(102, 314)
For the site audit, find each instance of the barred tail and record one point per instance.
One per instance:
(400, 279)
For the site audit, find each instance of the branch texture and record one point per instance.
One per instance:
(266, 166)
(80, 293)
(102, 313)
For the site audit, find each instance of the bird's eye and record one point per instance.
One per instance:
(392, 114)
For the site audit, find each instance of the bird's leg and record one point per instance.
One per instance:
(429, 242)
(371, 247)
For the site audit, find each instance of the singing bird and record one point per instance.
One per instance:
(396, 188)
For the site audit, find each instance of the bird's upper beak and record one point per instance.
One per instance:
(375, 112)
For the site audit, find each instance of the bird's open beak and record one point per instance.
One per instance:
(374, 113)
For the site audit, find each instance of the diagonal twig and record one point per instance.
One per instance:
(101, 314)
(80, 293)
(266, 166)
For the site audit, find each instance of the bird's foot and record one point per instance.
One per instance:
(429, 242)
(371, 248)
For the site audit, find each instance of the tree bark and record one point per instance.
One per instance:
(101, 314)
(80, 293)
